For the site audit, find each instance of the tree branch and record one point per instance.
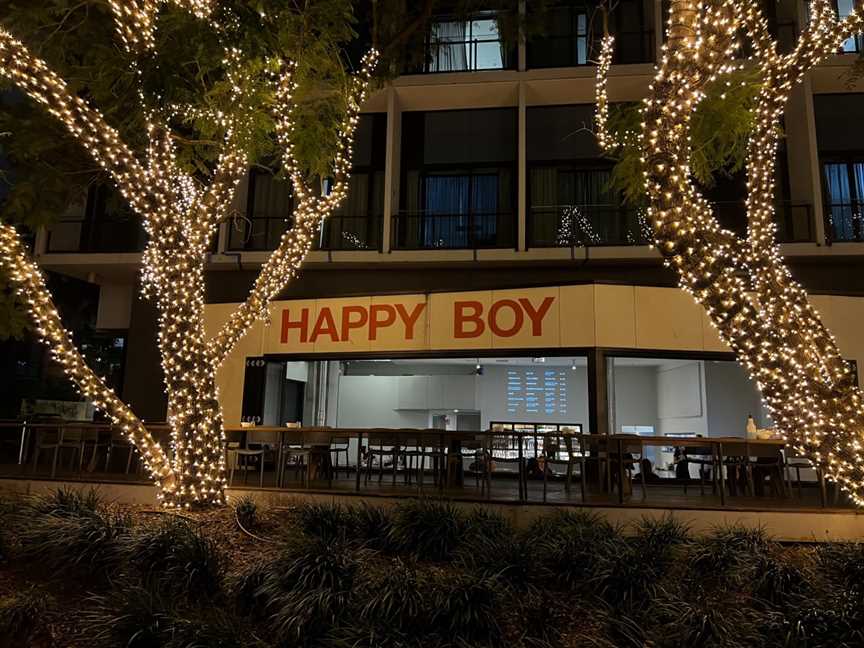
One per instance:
(25, 275)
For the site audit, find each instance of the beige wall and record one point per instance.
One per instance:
(632, 317)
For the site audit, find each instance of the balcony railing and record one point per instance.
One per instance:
(603, 225)
(256, 234)
(115, 234)
(844, 222)
(585, 226)
(423, 231)
(351, 233)
(573, 50)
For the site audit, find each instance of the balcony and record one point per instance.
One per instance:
(112, 233)
(585, 226)
(461, 231)
(256, 234)
(844, 222)
(605, 225)
(458, 44)
(351, 233)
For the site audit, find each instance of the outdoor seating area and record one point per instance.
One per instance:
(508, 463)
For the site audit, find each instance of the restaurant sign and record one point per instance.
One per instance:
(464, 320)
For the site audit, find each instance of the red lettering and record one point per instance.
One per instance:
(410, 319)
(325, 325)
(348, 323)
(460, 318)
(375, 322)
(302, 325)
(518, 318)
(536, 316)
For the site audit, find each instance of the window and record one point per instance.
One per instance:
(570, 202)
(268, 214)
(458, 180)
(844, 194)
(357, 222)
(571, 31)
(462, 45)
(856, 43)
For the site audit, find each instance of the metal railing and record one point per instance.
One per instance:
(844, 222)
(351, 233)
(105, 235)
(425, 231)
(463, 56)
(574, 50)
(497, 464)
(604, 225)
(585, 226)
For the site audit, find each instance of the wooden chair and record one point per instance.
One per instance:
(705, 458)
(504, 448)
(58, 438)
(340, 444)
(382, 445)
(239, 455)
(570, 447)
(296, 456)
(766, 460)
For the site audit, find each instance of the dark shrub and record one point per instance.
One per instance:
(710, 622)
(176, 555)
(131, 616)
(396, 599)
(779, 582)
(245, 588)
(65, 544)
(325, 521)
(730, 553)
(429, 529)
(485, 529)
(659, 539)
(246, 511)
(372, 525)
(511, 561)
(467, 608)
(66, 501)
(834, 623)
(21, 614)
(305, 589)
(844, 561)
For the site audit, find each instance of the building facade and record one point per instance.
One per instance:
(482, 271)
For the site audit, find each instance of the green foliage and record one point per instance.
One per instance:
(143, 617)
(430, 529)
(466, 607)
(325, 521)
(70, 533)
(21, 614)
(730, 552)
(720, 128)
(176, 556)
(396, 597)
(48, 172)
(246, 511)
(372, 526)
(305, 589)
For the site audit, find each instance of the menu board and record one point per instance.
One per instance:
(533, 391)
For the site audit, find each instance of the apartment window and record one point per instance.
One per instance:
(570, 32)
(856, 43)
(570, 202)
(268, 213)
(844, 193)
(104, 223)
(458, 180)
(464, 44)
(358, 222)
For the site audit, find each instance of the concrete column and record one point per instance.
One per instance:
(522, 182)
(391, 166)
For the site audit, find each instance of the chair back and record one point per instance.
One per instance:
(764, 450)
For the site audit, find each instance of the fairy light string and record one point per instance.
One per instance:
(180, 215)
(759, 310)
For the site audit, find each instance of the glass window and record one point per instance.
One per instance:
(844, 188)
(844, 8)
(462, 45)
(268, 213)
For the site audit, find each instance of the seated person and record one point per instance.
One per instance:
(647, 469)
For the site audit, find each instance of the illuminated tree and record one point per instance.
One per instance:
(743, 284)
(181, 211)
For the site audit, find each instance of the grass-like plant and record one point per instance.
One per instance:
(467, 608)
(177, 555)
(430, 529)
(305, 589)
(133, 616)
(730, 553)
(86, 544)
(66, 501)
(372, 526)
(21, 614)
(329, 522)
(246, 511)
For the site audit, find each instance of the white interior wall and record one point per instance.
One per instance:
(635, 396)
(373, 401)
(731, 397)
(681, 398)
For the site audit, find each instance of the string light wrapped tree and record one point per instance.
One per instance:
(181, 212)
(760, 311)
